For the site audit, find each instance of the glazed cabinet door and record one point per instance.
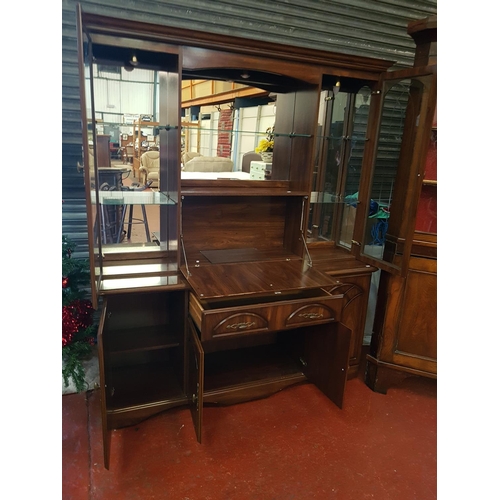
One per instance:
(112, 58)
(196, 362)
(88, 162)
(398, 135)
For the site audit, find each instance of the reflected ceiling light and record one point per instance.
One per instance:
(133, 61)
(336, 89)
(245, 76)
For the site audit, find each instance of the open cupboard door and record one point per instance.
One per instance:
(196, 362)
(398, 135)
(326, 360)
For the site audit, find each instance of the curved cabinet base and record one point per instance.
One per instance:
(380, 376)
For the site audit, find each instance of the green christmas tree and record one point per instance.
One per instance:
(78, 329)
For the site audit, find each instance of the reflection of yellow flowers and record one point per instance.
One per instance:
(264, 146)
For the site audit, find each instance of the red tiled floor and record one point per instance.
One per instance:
(75, 447)
(294, 445)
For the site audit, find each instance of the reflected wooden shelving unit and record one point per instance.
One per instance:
(137, 140)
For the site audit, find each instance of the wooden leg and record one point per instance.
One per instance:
(146, 225)
(122, 221)
(130, 214)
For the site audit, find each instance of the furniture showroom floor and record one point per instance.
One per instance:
(294, 445)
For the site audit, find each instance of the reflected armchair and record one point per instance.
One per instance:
(247, 158)
(150, 168)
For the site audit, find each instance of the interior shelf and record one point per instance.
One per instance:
(144, 339)
(226, 369)
(237, 187)
(139, 385)
(170, 282)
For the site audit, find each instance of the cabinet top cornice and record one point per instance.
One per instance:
(116, 27)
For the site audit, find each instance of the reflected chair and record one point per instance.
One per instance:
(81, 168)
(149, 170)
(127, 154)
(247, 158)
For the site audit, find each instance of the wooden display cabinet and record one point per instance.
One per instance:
(404, 342)
(186, 136)
(102, 151)
(237, 298)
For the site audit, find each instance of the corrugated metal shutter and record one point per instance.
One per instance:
(359, 27)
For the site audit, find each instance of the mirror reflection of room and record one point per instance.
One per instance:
(227, 132)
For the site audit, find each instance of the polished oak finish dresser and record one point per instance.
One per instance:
(248, 286)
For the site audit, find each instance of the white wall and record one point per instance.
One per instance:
(118, 94)
(132, 93)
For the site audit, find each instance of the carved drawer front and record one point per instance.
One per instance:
(236, 323)
(221, 320)
(229, 321)
(313, 313)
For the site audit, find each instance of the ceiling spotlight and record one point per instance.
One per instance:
(336, 88)
(245, 76)
(133, 61)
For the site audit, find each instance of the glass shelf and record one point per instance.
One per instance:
(247, 132)
(322, 197)
(133, 198)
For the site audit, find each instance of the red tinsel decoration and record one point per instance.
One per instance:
(65, 282)
(75, 317)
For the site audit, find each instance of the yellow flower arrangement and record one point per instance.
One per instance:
(266, 145)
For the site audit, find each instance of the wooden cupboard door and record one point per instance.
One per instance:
(326, 356)
(355, 291)
(196, 369)
(415, 334)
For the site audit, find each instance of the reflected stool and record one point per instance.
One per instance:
(131, 221)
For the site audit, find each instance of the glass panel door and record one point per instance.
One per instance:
(89, 164)
(129, 101)
(341, 140)
(394, 165)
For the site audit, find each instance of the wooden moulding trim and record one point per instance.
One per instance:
(251, 390)
(399, 368)
(423, 245)
(94, 23)
(426, 24)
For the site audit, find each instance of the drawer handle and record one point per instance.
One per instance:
(241, 326)
(310, 315)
